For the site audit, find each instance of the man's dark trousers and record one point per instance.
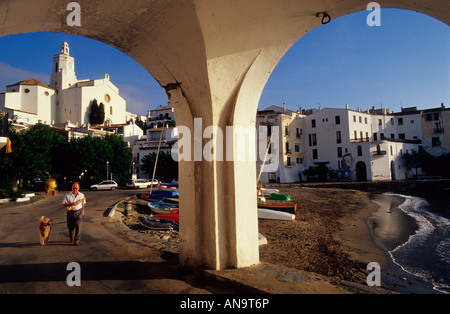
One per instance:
(74, 224)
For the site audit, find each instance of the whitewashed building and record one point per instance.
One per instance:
(285, 161)
(31, 101)
(343, 144)
(66, 99)
(361, 145)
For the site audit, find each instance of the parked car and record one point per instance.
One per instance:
(140, 183)
(105, 185)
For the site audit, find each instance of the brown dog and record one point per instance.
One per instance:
(45, 226)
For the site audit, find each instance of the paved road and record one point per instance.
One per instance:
(109, 263)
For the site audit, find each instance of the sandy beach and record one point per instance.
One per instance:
(329, 236)
(336, 233)
(333, 235)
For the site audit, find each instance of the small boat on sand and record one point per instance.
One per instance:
(264, 213)
(158, 195)
(174, 217)
(267, 192)
(156, 223)
(159, 208)
(279, 196)
(284, 207)
(168, 186)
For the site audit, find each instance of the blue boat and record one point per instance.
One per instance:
(158, 195)
(164, 206)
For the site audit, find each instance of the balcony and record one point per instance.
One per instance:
(438, 130)
(379, 153)
(359, 140)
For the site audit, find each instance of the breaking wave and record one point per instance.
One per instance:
(426, 254)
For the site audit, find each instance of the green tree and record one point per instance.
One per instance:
(166, 168)
(93, 114)
(89, 155)
(140, 123)
(418, 159)
(34, 154)
(101, 114)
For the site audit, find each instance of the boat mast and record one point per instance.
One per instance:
(157, 155)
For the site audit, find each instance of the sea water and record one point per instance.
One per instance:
(426, 253)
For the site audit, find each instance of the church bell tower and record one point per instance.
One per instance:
(63, 74)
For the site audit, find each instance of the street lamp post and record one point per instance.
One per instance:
(107, 163)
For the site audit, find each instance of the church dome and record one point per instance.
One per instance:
(31, 81)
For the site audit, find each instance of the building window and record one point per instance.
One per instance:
(365, 120)
(436, 116)
(356, 135)
(375, 137)
(428, 117)
(338, 137)
(298, 132)
(437, 128)
(360, 119)
(382, 136)
(288, 162)
(339, 152)
(337, 119)
(107, 98)
(354, 118)
(435, 141)
(380, 122)
(392, 121)
(26, 90)
(110, 110)
(313, 123)
(401, 136)
(400, 121)
(312, 140)
(299, 160)
(315, 154)
(297, 148)
(359, 148)
(286, 130)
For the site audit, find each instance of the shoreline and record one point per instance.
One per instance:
(333, 235)
(390, 227)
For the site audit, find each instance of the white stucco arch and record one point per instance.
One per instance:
(213, 57)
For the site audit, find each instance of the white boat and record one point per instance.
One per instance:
(264, 213)
(267, 192)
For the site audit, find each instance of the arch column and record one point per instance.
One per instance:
(218, 198)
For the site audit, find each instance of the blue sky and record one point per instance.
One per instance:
(404, 62)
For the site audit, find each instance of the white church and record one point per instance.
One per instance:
(66, 100)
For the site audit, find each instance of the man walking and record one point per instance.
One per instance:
(74, 202)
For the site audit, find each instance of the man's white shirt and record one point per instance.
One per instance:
(70, 198)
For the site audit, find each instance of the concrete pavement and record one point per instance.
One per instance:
(109, 263)
(114, 259)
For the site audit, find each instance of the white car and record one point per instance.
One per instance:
(140, 183)
(105, 185)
